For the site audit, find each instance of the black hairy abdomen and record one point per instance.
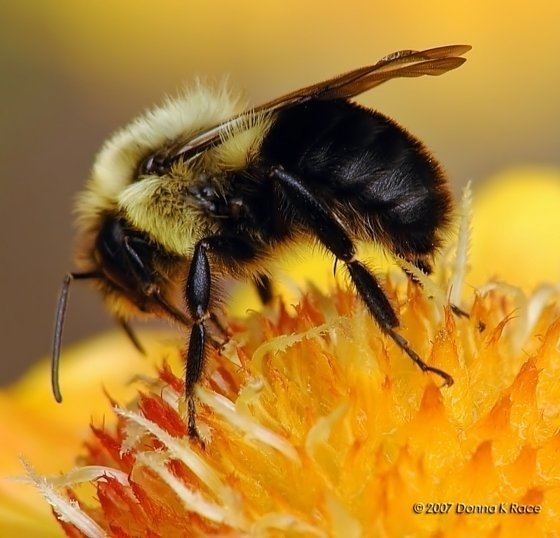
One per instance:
(379, 179)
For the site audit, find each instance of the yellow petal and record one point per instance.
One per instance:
(51, 435)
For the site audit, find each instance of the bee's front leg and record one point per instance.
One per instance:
(131, 334)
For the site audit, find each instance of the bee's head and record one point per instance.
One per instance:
(135, 220)
(125, 261)
(132, 274)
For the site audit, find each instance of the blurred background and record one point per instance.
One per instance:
(72, 72)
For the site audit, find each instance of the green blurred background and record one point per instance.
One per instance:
(72, 72)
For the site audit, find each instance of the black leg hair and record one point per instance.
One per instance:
(330, 231)
(263, 286)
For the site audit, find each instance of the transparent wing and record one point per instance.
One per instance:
(404, 63)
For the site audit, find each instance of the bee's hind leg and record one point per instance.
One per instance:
(329, 230)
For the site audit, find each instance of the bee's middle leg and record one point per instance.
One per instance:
(198, 298)
(197, 295)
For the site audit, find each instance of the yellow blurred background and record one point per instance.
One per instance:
(72, 72)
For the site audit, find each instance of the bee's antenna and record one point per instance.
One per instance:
(58, 325)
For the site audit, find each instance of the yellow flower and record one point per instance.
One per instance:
(316, 424)
(515, 228)
(50, 435)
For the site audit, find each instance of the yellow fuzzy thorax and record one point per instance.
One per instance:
(316, 424)
(155, 204)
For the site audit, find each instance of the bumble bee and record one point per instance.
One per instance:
(201, 188)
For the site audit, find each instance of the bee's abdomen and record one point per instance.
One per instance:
(377, 175)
